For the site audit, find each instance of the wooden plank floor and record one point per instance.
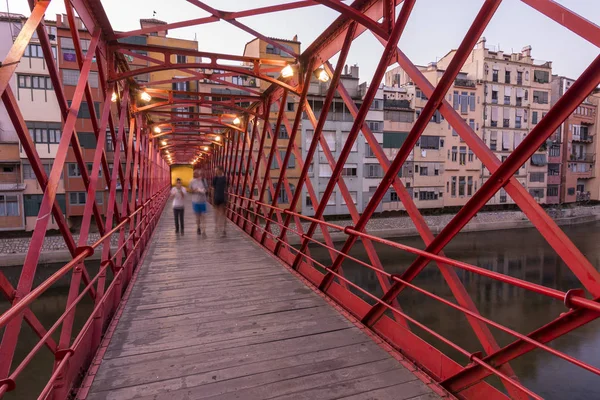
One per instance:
(220, 319)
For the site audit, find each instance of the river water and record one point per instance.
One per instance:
(519, 253)
(522, 254)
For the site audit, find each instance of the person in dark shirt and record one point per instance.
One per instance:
(219, 185)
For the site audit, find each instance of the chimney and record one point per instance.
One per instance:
(295, 38)
(481, 43)
(346, 69)
(354, 71)
(526, 52)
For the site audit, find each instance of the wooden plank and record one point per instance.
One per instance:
(221, 319)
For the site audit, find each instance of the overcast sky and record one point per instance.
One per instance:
(435, 27)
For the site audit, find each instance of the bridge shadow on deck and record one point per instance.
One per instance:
(220, 318)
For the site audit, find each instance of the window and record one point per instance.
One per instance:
(394, 195)
(534, 117)
(354, 145)
(454, 153)
(502, 195)
(352, 196)
(373, 171)
(505, 141)
(375, 126)
(470, 155)
(538, 160)
(290, 106)
(461, 185)
(506, 76)
(495, 75)
(455, 100)
(469, 186)
(541, 76)
(9, 206)
(283, 133)
(537, 193)
(472, 124)
(324, 171)
(453, 187)
(350, 170)
(308, 201)
(35, 51)
(517, 121)
(571, 191)
(552, 190)
(464, 102)
(423, 171)
(71, 77)
(330, 139)
(180, 59)
(73, 170)
(84, 111)
(291, 161)
(494, 96)
(394, 140)
(554, 151)
(463, 156)
(330, 201)
(77, 198)
(44, 132)
(34, 82)
(99, 197)
(536, 177)
(429, 142)
(540, 97)
(519, 78)
(493, 140)
(427, 195)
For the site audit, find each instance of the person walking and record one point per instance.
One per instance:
(178, 192)
(198, 188)
(219, 185)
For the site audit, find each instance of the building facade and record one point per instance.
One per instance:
(20, 192)
(573, 148)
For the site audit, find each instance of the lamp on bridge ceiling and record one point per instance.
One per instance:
(287, 71)
(321, 74)
(113, 97)
(156, 129)
(205, 148)
(236, 121)
(144, 96)
(164, 142)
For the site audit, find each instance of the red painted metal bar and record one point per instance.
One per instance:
(479, 24)
(11, 61)
(358, 122)
(317, 133)
(274, 138)
(291, 142)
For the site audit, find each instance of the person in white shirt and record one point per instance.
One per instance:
(178, 192)
(198, 188)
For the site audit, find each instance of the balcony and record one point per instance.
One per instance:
(468, 83)
(583, 196)
(583, 138)
(553, 179)
(403, 104)
(587, 158)
(552, 199)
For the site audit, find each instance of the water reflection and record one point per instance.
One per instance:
(522, 254)
(48, 308)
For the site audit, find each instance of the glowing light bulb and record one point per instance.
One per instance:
(156, 129)
(113, 98)
(205, 148)
(145, 97)
(287, 71)
(164, 142)
(236, 121)
(323, 76)
(218, 138)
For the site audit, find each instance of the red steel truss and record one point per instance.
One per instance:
(240, 138)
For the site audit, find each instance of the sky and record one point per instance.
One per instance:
(435, 27)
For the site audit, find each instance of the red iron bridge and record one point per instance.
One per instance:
(252, 316)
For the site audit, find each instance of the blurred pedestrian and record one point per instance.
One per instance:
(178, 192)
(198, 188)
(219, 185)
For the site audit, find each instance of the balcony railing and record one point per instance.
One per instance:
(465, 83)
(583, 157)
(583, 196)
(583, 138)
